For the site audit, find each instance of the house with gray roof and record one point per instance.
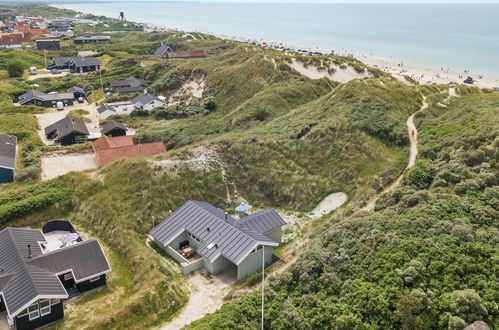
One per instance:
(163, 49)
(147, 101)
(47, 100)
(39, 269)
(68, 131)
(128, 85)
(75, 64)
(8, 157)
(199, 235)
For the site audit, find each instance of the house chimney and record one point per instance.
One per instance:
(29, 251)
(226, 216)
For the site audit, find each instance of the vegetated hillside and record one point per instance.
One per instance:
(427, 258)
(280, 140)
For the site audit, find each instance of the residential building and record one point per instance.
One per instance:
(147, 101)
(48, 44)
(144, 101)
(77, 92)
(8, 157)
(39, 269)
(90, 39)
(163, 49)
(111, 149)
(198, 235)
(113, 128)
(128, 85)
(49, 100)
(75, 64)
(14, 39)
(68, 131)
(186, 54)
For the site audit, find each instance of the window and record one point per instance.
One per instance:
(54, 301)
(94, 279)
(45, 307)
(33, 312)
(68, 276)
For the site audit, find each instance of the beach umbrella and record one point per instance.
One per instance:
(69, 238)
(243, 208)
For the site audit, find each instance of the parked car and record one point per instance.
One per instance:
(32, 70)
(60, 105)
(495, 88)
(56, 71)
(80, 99)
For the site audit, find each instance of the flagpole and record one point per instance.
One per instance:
(263, 282)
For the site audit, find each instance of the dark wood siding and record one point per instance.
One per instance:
(2, 305)
(57, 313)
(72, 139)
(6, 175)
(116, 132)
(87, 285)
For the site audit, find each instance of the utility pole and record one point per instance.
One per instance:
(263, 282)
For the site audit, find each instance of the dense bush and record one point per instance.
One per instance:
(15, 70)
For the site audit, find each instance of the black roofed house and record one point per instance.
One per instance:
(198, 235)
(76, 64)
(91, 39)
(8, 157)
(77, 92)
(163, 50)
(68, 131)
(128, 85)
(48, 100)
(48, 44)
(147, 101)
(41, 268)
(113, 128)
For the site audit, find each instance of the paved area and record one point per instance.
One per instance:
(3, 322)
(57, 163)
(46, 119)
(46, 74)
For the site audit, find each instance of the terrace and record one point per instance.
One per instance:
(59, 234)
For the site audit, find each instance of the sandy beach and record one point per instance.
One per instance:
(398, 68)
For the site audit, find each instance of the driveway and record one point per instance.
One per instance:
(46, 74)
(46, 119)
(60, 163)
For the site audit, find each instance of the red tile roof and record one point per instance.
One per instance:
(38, 31)
(111, 149)
(105, 142)
(15, 38)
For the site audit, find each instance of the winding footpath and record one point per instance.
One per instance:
(413, 153)
(207, 295)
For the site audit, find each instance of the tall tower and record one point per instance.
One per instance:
(122, 15)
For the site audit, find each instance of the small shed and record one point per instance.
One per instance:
(113, 128)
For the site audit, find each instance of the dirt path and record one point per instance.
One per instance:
(413, 153)
(206, 297)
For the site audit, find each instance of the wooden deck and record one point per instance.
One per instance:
(3, 322)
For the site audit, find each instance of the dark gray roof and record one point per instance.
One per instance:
(27, 282)
(78, 61)
(8, 146)
(76, 89)
(144, 99)
(163, 48)
(130, 89)
(262, 221)
(25, 279)
(85, 259)
(209, 225)
(67, 126)
(110, 125)
(105, 108)
(26, 97)
(128, 82)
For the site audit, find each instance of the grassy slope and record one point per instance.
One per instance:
(427, 258)
(262, 109)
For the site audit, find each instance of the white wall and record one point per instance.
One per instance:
(253, 263)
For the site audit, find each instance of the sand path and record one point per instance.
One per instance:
(413, 153)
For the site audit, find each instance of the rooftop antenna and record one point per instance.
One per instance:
(263, 283)
(29, 251)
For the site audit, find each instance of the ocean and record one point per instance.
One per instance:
(456, 36)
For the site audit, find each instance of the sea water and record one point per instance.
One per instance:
(456, 36)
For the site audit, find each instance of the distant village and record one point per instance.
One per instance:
(111, 139)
